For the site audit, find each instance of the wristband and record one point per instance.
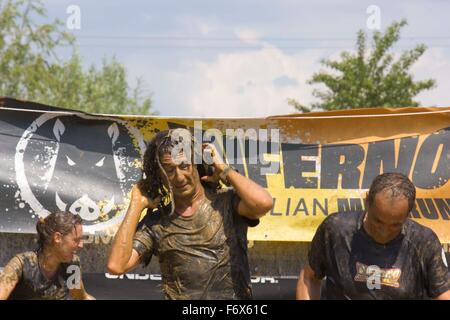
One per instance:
(223, 175)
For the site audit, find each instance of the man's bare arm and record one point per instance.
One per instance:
(123, 257)
(308, 285)
(255, 200)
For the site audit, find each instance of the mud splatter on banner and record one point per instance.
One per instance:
(313, 164)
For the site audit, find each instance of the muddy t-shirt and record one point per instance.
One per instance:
(203, 256)
(411, 266)
(33, 285)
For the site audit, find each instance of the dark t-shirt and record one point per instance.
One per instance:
(411, 266)
(33, 285)
(203, 256)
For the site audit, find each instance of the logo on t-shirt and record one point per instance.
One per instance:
(387, 277)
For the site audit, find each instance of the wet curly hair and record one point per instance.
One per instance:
(397, 184)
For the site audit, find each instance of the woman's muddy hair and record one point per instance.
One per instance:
(62, 222)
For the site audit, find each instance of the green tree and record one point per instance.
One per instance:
(369, 78)
(31, 69)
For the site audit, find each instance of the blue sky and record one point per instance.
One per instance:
(246, 58)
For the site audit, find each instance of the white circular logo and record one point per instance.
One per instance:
(79, 163)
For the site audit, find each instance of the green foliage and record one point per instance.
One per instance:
(369, 78)
(31, 69)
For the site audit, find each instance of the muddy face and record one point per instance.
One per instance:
(182, 175)
(386, 216)
(70, 244)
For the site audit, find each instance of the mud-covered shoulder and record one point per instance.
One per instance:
(342, 221)
(423, 238)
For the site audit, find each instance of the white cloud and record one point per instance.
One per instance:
(196, 25)
(243, 83)
(434, 64)
(247, 35)
(257, 83)
(221, 74)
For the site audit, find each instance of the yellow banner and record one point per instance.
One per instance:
(312, 164)
(326, 162)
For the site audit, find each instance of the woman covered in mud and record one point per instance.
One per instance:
(52, 271)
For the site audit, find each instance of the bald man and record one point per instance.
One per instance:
(378, 253)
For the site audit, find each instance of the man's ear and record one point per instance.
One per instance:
(194, 170)
(366, 200)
